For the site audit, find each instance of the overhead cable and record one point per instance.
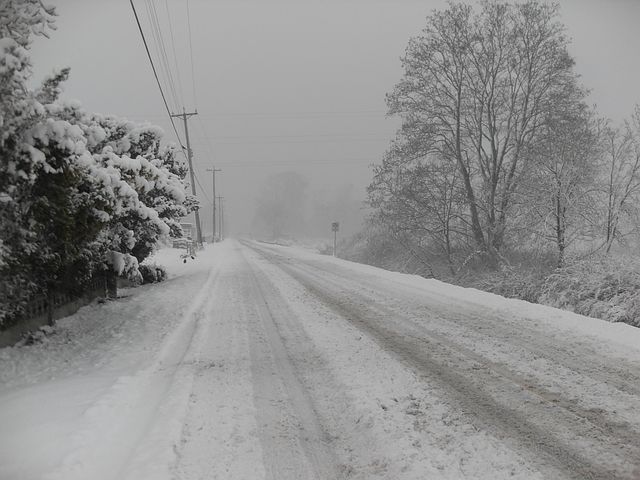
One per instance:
(173, 48)
(193, 75)
(155, 74)
(202, 190)
(162, 51)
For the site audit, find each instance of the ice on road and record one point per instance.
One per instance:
(263, 362)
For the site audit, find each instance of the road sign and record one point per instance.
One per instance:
(334, 228)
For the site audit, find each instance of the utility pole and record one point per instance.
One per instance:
(184, 115)
(220, 215)
(213, 174)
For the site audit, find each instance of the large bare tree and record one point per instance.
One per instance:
(476, 92)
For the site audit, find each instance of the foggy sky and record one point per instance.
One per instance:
(292, 85)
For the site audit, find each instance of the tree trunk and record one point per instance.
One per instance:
(476, 227)
(560, 229)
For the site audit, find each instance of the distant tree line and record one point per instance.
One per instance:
(286, 208)
(498, 149)
(80, 193)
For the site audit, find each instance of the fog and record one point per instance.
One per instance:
(289, 87)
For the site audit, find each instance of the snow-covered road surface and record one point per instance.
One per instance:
(266, 362)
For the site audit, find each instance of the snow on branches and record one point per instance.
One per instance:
(79, 192)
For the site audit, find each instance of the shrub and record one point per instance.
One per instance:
(152, 273)
(512, 283)
(605, 288)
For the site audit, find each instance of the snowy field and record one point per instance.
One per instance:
(261, 361)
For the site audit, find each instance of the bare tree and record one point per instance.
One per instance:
(560, 195)
(476, 92)
(621, 178)
(420, 202)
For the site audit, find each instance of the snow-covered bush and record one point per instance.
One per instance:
(510, 282)
(607, 288)
(19, 110)
(80, 193)
(152, 273)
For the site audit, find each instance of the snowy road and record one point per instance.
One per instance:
(268, 362)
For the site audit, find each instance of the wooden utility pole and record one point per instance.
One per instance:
(220, 215)
(184, 115)
(213, 174)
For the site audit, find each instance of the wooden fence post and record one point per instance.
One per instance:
(111, 283)
(50, 307)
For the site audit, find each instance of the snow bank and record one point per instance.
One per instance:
(552, 318)
(75, 405)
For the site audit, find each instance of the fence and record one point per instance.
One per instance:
(46, 309)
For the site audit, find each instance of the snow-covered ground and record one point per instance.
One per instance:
(260, 361)
(77, 405)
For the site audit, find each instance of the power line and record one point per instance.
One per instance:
(165, 60)
(173, 48)
(355, 162)
(202, 190)
(210, 151)
(164, 99)
(307, 136)
(307, 112)
(155, 44)
(286, 115)
(162, 51)
(309, 140)
(206, 138)
(193, 76)
(301, 114)
(155, 74)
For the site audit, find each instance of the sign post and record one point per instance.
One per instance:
(335, 226)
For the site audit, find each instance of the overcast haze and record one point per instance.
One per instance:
(291, 85)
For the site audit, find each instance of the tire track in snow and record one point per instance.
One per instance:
(475, 383)
(574, 375)
(218, 437)
(595, 416)
(294, 443)
(494, 325)
(449, 367)
(570, 368)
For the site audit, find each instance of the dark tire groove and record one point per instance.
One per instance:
(430, 356)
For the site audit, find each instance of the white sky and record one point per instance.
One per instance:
(292, 84)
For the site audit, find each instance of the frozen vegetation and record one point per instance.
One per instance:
(502, 176)
(81, 194)
(600, 286)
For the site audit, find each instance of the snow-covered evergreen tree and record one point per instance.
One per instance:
(79, 192)
(19, 109)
